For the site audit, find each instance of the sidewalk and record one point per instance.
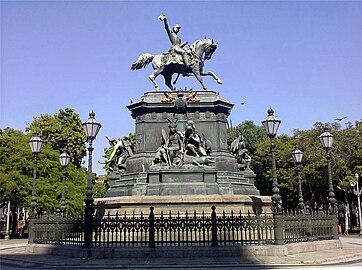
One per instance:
(14, 256)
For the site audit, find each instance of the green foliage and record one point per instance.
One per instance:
(62, 131)
(100, 189)
(286, 175)
(16, 171)
(346, 159)
(16, 166)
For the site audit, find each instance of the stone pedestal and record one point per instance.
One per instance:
(209, 112)
(181, 203)
(209, 115)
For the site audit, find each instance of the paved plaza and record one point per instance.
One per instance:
(14, 256)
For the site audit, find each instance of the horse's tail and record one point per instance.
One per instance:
(142, 61)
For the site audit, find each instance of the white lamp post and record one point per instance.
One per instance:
(297, 156)
(358, 192)
(271, 125)
(35, 146)
(64, 159)
(326, 140)
(91, 128)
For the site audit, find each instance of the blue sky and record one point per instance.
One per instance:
(303, 58)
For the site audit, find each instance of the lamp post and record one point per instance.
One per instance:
(358, 192)
(326, 140)
(298, 156)
(91, 127)
(271, 125)
(64, 159)
(7, 232)
(35, 145)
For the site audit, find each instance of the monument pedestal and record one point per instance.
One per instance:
(176, 181)
(183, 204)
(189, 185)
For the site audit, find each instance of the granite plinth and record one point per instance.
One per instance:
(176, 181)
(182, 203)
(209, 112)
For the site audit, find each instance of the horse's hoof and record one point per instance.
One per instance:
(219, 81)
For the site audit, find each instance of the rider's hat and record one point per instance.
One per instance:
(177, 26)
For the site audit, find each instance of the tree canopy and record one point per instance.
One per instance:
(61, 131)
(346, 160)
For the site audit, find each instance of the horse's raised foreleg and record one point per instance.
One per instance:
(210, 73)
(197, 74)
(153, 76)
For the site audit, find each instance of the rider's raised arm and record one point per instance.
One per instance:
(168, 30)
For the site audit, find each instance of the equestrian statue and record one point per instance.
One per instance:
(180, 59)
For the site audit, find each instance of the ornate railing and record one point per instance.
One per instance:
(312, 226)
(184, 229)
(121, 230)
(57, 230)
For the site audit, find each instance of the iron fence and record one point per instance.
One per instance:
(185, 229)
(312, 226)
(57, 230)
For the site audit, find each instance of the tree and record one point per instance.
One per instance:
(16, 166)
(16, 174)
(286, 175)
(62, 131)
(346, 159)
(346, 156)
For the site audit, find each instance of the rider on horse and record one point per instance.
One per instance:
(176, 45)
(179, 59)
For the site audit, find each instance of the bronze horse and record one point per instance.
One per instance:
(169, 63)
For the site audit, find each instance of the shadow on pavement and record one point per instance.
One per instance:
(50, 257)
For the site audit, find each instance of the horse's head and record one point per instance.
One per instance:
(210, 49)
(204, 47)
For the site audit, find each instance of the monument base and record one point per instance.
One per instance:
(188, 180)
(182, 203)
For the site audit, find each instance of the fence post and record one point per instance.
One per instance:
(335, 225)
(278, 228)
(31, 232)
(57, 230)
(213, 227)
(152, 228)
